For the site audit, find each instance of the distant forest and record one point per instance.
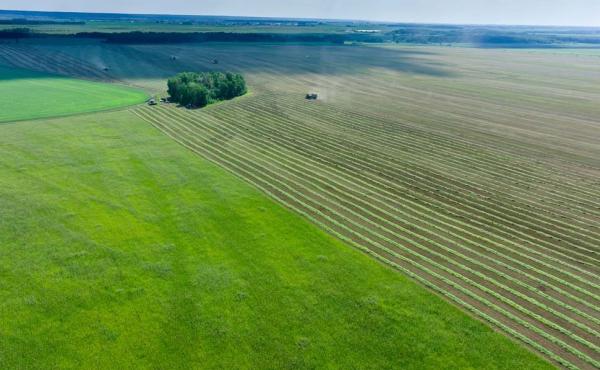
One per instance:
(479, 36)
(22, 21)
(182, 37)
(501, 36)
(185, 37)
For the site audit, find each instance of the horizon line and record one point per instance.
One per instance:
(288, 18)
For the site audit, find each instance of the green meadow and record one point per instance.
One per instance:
(119, 248)
(30, 95)
(231, 236)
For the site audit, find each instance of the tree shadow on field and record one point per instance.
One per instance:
(162, 61)
(29, 61)
(291, 59)
(12, 73)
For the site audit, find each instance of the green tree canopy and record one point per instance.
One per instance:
(200, 89)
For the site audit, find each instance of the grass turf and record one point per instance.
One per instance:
(121, 249)
(30, 95)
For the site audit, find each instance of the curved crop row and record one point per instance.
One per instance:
(323, 190)
(308, 170)
(214, 151)
(465, 280)
(529, 267)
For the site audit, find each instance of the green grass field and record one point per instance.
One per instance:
(29, 95)
(472, 171)
(121, 249)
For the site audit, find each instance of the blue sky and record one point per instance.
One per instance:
(542, 12)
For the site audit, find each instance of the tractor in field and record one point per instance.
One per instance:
(312, 96)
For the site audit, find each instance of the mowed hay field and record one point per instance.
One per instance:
(121, 249)
(475, 172)
(27, 95)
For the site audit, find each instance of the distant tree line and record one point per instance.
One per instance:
(15, 33)
(138, 37)
(478, 36)
(197, 90)
(495, 37)
(22, 21)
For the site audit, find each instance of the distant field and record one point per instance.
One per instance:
(28, 95)
(474, 171)
(121, 249)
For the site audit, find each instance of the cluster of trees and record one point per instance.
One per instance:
(21, 21)
(138, 37)
(492, 36)
(480, 36)
(416, 34)
(15, 33)
(200, 89)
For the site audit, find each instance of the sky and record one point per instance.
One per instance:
(526, 12)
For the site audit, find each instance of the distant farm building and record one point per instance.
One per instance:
(312, 96)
